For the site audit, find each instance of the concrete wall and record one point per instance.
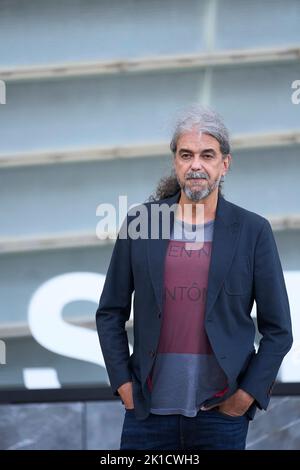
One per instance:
(97, 425)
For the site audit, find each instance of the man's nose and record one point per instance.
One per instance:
(196, 163)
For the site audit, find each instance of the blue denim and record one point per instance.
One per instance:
(209, 430)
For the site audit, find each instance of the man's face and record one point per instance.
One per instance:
(199, 164)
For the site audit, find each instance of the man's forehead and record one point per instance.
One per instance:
(197, 138)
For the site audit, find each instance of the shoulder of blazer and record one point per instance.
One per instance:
(132, 213)
(168, 200)
(244, 215)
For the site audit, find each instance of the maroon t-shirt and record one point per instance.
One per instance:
(186, 372)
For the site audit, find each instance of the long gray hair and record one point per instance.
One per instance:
(205, 120)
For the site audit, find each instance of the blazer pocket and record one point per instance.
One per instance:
(239, 278)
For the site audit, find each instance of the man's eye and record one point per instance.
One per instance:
(185, 156)
(208, 156)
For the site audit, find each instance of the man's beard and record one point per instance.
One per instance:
(197, 195)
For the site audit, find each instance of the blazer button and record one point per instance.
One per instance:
(159, 315)
(152, 353)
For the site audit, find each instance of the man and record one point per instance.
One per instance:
(194, 379)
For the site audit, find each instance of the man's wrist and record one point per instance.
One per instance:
(246, 397)
(125, 392)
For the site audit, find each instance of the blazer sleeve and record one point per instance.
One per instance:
(114, 310)
(273, 319)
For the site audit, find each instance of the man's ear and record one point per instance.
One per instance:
(227, 163)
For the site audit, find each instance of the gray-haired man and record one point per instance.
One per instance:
(194, 379)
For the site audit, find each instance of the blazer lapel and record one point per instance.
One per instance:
(156, 252)
(226, 232)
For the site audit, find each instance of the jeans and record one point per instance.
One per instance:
(208, 430)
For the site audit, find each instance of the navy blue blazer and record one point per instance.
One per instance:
(245, 266)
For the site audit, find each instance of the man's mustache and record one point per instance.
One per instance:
(195, 175)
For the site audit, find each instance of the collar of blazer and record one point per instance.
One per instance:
(226, 232)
